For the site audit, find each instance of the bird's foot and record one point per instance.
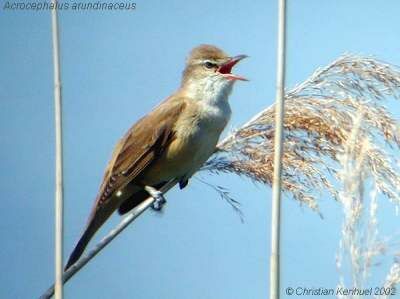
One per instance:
(183, 183)
(159, 199)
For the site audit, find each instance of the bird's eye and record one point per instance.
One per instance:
(209, 65)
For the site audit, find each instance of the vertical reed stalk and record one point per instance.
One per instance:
(278, 149)
(59, 158)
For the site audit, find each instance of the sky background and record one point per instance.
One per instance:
(116, 66)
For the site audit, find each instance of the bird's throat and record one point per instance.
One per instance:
(210, 91)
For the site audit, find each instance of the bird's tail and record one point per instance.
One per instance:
(80, 247)
(96, 220)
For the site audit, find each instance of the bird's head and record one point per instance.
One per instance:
(209, 70)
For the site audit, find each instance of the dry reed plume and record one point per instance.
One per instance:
(361, 246)
(319, 117)
(360, 243)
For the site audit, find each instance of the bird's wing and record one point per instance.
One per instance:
(141, 145)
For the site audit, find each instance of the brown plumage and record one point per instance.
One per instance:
(172, 141)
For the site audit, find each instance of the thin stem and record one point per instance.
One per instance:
(278, 148)
(59, 158)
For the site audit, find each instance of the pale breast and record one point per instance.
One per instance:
(207, 125)
(197, 134)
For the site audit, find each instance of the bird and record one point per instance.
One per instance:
(170, 143)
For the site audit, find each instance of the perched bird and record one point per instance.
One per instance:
(171, 142)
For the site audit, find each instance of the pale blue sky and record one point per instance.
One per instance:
(115, 67)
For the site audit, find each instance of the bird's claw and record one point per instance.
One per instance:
(159, 199)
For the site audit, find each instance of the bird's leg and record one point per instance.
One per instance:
(159, 199)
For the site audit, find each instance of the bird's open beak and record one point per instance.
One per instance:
(226, 68)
